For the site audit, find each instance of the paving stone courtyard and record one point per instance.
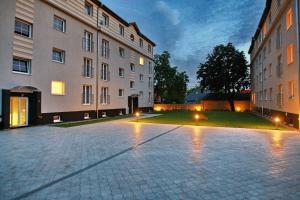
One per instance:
(126, 160)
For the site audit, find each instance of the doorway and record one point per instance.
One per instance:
(18, 111)
(133, 104)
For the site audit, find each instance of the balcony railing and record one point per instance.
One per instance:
(87, 71)
(105, 52)
(105, 77)
(280, 101)
(87, 100)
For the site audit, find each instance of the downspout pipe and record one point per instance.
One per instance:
(298, 51)
(97, 66)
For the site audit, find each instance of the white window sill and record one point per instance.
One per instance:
(22, 73)
(58, 62)
(57, 94)
(86, 104)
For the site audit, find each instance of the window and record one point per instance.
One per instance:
(290, 54)
(265, 73)
(132, 67)
(87, 41)
(260, 77)
(121, 72)
(87, 95)
(150, 98)
(121, 52)
(280, 96)
(58, 55)
(279, 66)
(149, 48)
(150, 68)
(121, 30)
(132, 38)
(150, 82)
(270, 70)
(21, 66)
(266, 95)
(132, 84)
(105, 20)
(278, 37)
(141, 94)
(270, 46)
(57, 88)
(141, 43)
(264, 53)
(270, 94)
(59, 24)
(121, 93)
(23, 28)
(142, 61)
(104, 72)
(105, 99)
(141, 77)
(88, 68)
(289, 19)
(278, 3)
(88, 8)
(291, 90)
(105, 48)
(56, 119)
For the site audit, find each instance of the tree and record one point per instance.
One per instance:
(225, 71)
(170, 84)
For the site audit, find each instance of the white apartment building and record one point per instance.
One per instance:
(275, 62)
(64, 60)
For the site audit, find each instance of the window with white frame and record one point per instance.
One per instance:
(270, 94)
(278, 37)
(59, 24)
(150, 82)
(104, 96)
(291, 90)
(87, 95)
(121, 92)
(149, 48)
(121, 30)
(270, 70)
(150, 98)
(23, 28)
(121, 52)
(88, 8)
(88, 68)
(121, 72)
(105, 48)
(150, 68)
(141, 77)
(58, 55)
(132, 84)
(132, 67)
(105, 20)
(21, 65)
(87, 41)
(105, 72)
(141, 43)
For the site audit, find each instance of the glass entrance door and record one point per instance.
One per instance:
(18, 111)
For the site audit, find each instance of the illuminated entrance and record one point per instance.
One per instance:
(18, 111)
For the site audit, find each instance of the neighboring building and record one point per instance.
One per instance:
(195, 96)
(65, 60)
(275, 62)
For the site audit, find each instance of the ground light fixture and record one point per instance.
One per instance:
(137, 115)
(277, 120)
(197, 117)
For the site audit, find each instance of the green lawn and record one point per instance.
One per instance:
(86, 122)
(217, 119)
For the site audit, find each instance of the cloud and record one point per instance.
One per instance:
(171, 14)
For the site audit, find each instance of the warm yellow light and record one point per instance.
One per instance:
(238, 109)
(157, 109)
(142, 61)
(137, 114)
(197, 116)
(57, 88)
(198, 108)
(277, 119)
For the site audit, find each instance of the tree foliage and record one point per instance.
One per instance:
(225, 71)
(170, 84)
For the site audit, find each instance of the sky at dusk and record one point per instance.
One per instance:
(189, 29)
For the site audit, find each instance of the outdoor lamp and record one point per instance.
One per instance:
(137, 114)
(277, 120)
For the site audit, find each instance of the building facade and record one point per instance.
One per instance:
(275, 62)
(65, 60)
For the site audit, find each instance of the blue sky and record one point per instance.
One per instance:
(189, 29)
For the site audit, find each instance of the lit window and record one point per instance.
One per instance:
(21, 66)
(59, 24)
(88, 9)
(57, 88)
(142, 61)
(289, 19)
(58, 55)
(290, 54)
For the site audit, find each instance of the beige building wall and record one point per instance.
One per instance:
(38, 49)
(266, 73)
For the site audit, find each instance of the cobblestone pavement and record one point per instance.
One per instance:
(124, 160)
